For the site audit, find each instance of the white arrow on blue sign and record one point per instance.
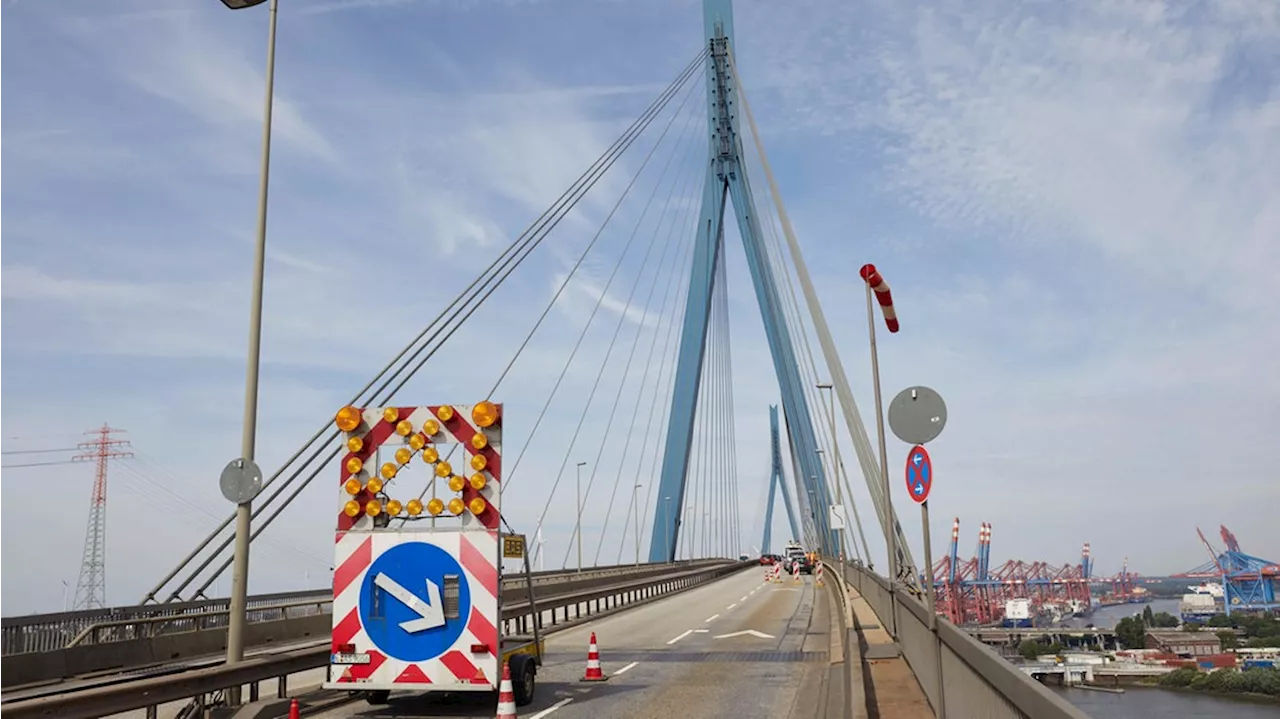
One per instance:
(919, 474)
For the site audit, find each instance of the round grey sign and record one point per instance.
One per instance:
(241, 481)
(917, 415)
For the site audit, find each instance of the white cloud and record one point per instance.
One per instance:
(1073, 209)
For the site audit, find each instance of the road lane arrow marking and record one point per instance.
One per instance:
(752, 632)
(430, 613)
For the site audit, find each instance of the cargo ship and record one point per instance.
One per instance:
(1201, 603)
(1017, 613)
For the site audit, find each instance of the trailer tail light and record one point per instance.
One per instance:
(479, 648)
(346, 649)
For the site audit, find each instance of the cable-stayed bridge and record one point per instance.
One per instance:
(639, 414)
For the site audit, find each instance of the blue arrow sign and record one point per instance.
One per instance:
(919, 474)
(401, 602)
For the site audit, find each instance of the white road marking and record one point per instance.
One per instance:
(682, 636)
(701, 631)
(731, 606)
(551, 708)
(632, 664)
(712, 618)
(751, 632)
(744, 598)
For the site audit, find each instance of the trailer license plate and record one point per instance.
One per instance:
(351, 659)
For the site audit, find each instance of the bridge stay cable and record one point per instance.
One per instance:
(809, 367)
(731, 445)
(839, 380)
(663, 385)
(621, 322)
(679, 222)
(528, 240)
(666, 318)
(582, 335)
(463, 313)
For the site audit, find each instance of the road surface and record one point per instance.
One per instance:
(672, 659)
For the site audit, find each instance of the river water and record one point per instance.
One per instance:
(1146, 702)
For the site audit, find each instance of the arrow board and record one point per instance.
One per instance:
(401, 602)
(430, 613)
(919, 474)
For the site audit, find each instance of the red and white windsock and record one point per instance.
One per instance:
(881, 289)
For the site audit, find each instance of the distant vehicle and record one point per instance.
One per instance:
(796, 556)
(806, 563)
(767, 559)
(743, 557)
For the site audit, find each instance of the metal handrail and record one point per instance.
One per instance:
(39, 633)
(152, 691)
(94, 628)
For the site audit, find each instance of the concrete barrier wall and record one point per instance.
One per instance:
(976, 681)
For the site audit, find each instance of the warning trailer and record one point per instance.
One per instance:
(417, 583)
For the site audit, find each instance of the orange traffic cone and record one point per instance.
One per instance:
(506, 695)
(594, 674)
(293, 710)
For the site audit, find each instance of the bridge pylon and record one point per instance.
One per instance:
(726, 179)
(777, 481)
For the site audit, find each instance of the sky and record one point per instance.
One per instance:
(1075, 208)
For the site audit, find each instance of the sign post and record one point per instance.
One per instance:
(917, 415)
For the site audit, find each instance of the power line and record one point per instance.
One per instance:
(40, 451)
(37, 464)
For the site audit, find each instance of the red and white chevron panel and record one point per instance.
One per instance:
(455, 669)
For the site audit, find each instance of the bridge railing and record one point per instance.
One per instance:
(562, 605)
(35, 633)
(976, 681)
(38, 633)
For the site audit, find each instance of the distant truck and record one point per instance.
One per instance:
(795, 555)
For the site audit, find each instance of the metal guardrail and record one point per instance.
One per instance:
(976, 681)
(147, 627)
(127, 695)
(144, 636)
(37, 633)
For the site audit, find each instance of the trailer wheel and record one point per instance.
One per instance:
(378, 696)
(523, 681)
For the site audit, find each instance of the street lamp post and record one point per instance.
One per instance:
(868, 273)
(666, 536)
(240, 563)
(835, 472)
(691, 510)
(578, 531)
(635, 501)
